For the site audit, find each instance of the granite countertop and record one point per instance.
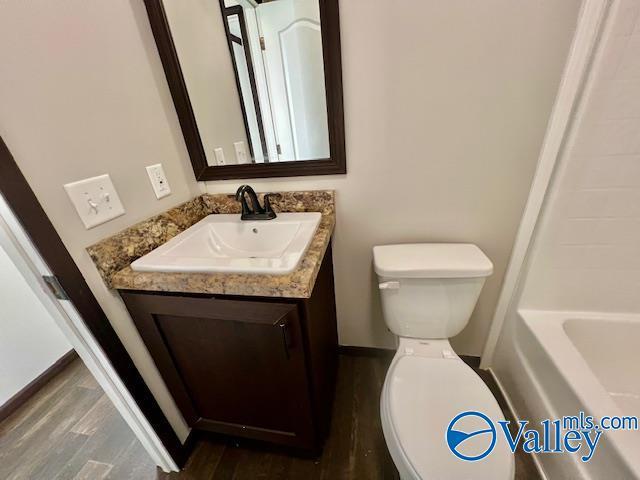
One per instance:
(113, 255)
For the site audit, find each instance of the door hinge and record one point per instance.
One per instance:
(262, 46)
(55, 287)
(279, 149)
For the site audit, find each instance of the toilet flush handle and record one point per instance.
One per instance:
(391, 285)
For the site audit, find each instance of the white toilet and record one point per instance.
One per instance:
(428, 293)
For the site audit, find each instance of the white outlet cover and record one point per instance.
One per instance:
(219, 154)
(95, 199)
(158, 180)
(241, 153)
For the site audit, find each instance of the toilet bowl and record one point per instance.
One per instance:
(432, 402)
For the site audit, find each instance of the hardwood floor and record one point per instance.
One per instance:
(70, 430)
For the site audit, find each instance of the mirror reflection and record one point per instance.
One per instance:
(255, 77)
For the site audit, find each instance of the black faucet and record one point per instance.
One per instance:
(256, 211)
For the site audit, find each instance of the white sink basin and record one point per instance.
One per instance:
(224, 243)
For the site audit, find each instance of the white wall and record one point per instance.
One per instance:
(587, 254)
(446, 105)
(198, 33)
(83, 93)
(30, 341)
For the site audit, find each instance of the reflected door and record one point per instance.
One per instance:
(292, 52)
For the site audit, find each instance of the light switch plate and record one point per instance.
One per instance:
(219, 153)
(241, 153)
(95, 199)
(158, 180)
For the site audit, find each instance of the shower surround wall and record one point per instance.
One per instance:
(587, 254)
(582, 272)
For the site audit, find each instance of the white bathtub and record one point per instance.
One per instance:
(575, 361)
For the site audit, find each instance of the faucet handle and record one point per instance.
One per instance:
(267, 206)
(267, 202)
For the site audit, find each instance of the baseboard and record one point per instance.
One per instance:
(35, 385)
(353, 351)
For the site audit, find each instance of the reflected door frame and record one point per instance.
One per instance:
(244, 42)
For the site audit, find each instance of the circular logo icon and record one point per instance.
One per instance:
(471, 436)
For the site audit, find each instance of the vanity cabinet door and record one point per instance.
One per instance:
(233, 366)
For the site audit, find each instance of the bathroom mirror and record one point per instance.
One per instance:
(257, 84)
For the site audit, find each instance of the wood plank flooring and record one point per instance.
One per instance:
(70, 430)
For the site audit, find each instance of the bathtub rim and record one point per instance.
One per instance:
(547, 327)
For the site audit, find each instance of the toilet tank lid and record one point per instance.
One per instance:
(431, 260)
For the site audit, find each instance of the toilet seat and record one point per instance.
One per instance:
(426, 386)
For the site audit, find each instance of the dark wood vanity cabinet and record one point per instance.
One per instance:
(254, 367)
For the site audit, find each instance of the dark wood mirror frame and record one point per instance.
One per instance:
(335, 164)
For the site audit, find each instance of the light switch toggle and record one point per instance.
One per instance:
(93, 205)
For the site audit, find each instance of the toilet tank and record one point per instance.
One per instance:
(429, 290)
